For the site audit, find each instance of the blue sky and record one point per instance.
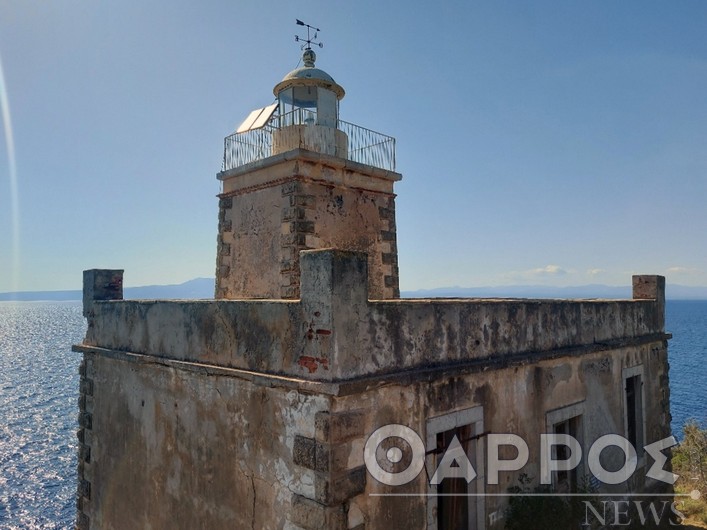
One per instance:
(557, 143)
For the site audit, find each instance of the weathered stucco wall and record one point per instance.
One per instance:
(180, 445)
(254, 414)
(271, 210)
(249, 244)
(515, 400)
(163, 447)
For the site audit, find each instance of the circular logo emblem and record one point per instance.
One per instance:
(394, 455)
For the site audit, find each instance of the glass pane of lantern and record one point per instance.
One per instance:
(305, 96)
(326, 108)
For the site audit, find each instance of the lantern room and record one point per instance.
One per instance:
(309, 93)
(308, 101)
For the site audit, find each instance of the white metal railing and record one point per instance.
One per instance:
(363, 145)
(246, 147)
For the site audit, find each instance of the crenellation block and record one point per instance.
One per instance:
(649, 287)
(101, 284)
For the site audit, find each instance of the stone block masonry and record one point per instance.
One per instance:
(272, 210)
(297, 233)
(84, 435)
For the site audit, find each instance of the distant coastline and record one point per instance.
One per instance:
(203, 288)
(198, 288)
(672, 292)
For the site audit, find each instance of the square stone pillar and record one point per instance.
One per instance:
(101, 284)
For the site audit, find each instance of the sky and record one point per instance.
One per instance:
(544, 143)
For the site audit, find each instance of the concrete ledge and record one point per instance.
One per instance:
(307, 166)
(314, 157)
(361, 384)
(258, 378)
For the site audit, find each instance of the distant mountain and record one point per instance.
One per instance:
(672, 292)
(203, 288)
(36, 296)
(198, 288)
(685, 292)
(523, 291)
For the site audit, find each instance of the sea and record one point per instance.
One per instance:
(39, 392)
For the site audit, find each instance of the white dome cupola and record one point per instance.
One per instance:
(312, 90)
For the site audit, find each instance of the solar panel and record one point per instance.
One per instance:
(257, 118)
(264, 116)
(250, 120)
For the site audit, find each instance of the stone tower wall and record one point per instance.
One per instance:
(297, 201)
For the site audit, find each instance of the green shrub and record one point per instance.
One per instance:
(690, 463)
(545, 511)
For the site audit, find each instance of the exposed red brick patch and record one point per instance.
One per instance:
(313, 363)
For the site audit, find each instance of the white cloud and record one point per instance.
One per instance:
(549, 273)
(682, 270)
(547, 270)
(595, 272)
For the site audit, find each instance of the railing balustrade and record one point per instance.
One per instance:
(363, 145)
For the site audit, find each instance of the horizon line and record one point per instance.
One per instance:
(423, 289)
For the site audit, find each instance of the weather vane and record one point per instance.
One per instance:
(310, 38)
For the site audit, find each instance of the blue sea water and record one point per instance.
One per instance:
(38, 413)
(687, 353)
(39, 391)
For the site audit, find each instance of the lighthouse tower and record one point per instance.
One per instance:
(296, 177)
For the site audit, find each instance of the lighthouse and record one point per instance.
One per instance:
(296, 177)
(308, 395)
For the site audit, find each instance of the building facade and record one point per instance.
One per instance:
(258, 409)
